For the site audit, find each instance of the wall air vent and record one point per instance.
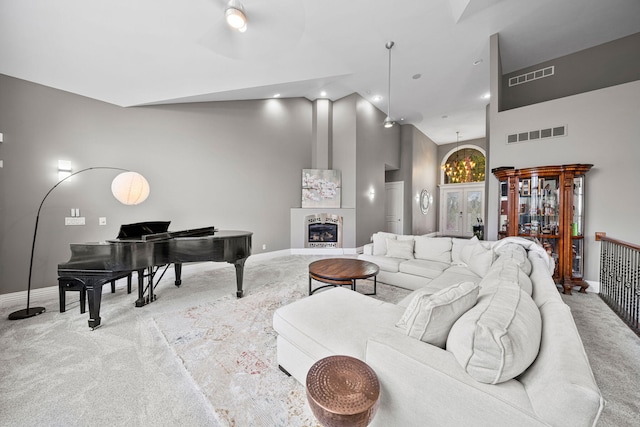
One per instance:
(532, 75)
(533, 135)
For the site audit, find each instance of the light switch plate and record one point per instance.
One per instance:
(77, 220)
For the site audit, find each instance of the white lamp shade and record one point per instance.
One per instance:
(130, 188)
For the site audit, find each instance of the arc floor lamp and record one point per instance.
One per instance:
(129, 188)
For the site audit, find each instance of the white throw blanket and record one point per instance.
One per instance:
(529, 245)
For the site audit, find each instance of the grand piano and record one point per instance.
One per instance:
(145, 248)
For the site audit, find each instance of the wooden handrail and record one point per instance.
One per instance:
(603, 236)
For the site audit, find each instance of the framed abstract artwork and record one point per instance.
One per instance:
(321, 188)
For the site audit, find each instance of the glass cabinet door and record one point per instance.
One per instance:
(577, 232)
(539, 212)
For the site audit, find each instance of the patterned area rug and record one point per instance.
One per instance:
(229, 348)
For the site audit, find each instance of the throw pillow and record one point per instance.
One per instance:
(433, 248)
(380, 242)
(456, 247)
(499, 338)
(477, 258)
(430, 317)
(400, 248)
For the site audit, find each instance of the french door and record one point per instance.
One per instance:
(461, 207)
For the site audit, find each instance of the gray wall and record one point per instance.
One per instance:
(609, 64)
(603, 130)
(234, 165)
(375, 148)
(419, 170)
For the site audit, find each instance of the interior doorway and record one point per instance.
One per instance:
(394, 207)
(461, 208)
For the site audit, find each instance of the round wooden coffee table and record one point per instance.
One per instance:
(341, 272)
(342, 391)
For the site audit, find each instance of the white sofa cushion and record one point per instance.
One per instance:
(499, 338)
(433, 248)
(513, 252)
(335, 321)
(400, 248)
(385, 263)
(380, 242)
(507, 270)
(430, 317)
(456, 248)
(477, 258)
(423, 268)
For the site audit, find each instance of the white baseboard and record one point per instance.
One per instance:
(323, 251)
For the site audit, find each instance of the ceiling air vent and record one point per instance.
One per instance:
(533, 135)
(532, 75)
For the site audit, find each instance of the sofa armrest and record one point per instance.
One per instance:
(422, 384)
(367, 249)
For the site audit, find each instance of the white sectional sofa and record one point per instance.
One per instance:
(486, 342)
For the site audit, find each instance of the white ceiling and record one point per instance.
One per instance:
(140, 52)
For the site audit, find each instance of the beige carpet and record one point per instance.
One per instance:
(183, 361)
(229, 348)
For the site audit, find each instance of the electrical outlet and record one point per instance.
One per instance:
(264, 247)
(102, 220)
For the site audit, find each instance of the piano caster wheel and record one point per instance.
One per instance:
(239, 294)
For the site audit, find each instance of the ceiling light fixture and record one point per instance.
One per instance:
(235, 16)
(388, 122)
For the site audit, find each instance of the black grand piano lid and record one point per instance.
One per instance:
(133, 231)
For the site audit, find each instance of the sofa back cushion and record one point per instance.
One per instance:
(400, 248)
(507, 271)
(477, 258)
(456, 247)
(433, 248)
(512, 252)
(429, 318)
(380, 242)
(499, 338)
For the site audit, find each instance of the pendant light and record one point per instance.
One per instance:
(388, 122)
(235, 16)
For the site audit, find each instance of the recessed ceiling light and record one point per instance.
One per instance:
(486, 96)
(445, 117)
(477, 62)
(416, 76)
(277, 95)
(323, 93)
(377, 98)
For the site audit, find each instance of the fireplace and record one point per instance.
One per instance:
(323, 231)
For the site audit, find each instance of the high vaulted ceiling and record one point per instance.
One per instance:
(140, 52)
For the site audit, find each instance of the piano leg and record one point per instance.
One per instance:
(94, 295)
(239, 276)
(140, 300)
(177, 267)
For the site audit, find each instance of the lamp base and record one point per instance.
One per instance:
(26, 313)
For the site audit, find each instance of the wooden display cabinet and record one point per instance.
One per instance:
(547, 203)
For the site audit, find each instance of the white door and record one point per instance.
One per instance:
(393, 206)
(461, 207)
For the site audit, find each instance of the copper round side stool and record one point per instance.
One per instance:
(342, 391)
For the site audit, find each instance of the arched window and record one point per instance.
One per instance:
(467, 164)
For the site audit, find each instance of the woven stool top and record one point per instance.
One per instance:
(343, 385)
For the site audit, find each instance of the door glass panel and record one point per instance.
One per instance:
(474, 210)
(453, 212)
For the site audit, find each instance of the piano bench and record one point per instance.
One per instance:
(72, 284)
